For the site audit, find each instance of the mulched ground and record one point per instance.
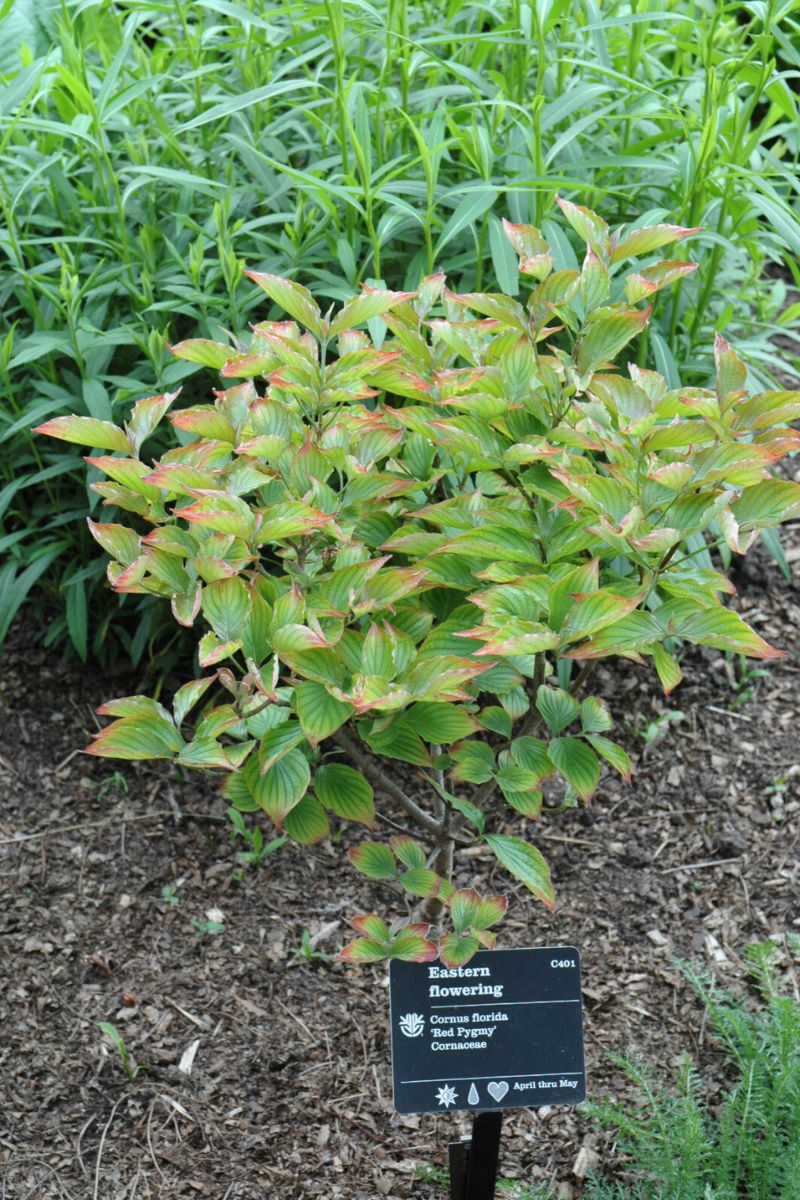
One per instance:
(285, 1086)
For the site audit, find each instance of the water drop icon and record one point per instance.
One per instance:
(473, 1096)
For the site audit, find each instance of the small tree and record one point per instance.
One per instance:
(398, 549)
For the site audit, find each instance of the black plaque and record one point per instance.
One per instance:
(505, 1031)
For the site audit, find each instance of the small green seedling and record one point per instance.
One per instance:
(259, 850)
(307, 950)
(745, 683)
(204, 928)
(115, 784)
(129, 1065)
(169, 893)
(652, 732)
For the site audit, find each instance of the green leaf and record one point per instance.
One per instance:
(558, 708)
(320, 713)
(137, 738)
(362, 950)
(345, 792)
(373, 860)
(647, 239)
(86, 431)
(411, 945)
(409, 852)
(612, 753)
(467, 211)
(372, 303)
(531, 753)
(474, 762)
(595, 717)
(187, 696)
(456, 949)
(293, 298)
(463, 909)
(576, 762)
(605, 333)
(419, 881)
(307, 822)
(440, 723)
(528, 804)
(669, 671)
(278, 740)
(283, 786)
(226, 607)
(203, 352)
(724, 629)
(525, 862)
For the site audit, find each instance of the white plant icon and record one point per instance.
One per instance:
(412, 1024)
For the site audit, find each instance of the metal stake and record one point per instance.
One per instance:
(473, 1161)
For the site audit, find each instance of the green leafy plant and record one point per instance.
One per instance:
(259, 850)
(679, 1145)
(745, 682)
(653, 731)
(129, 1065)
(397, 549)
(169, 894)
(114, 784)
(149, 150)
(208, 928)
(307, 950)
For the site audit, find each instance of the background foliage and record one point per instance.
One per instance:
(149, 150)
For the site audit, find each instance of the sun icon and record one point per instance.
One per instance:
(446, 1096)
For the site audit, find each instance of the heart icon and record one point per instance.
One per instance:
(497, 1090)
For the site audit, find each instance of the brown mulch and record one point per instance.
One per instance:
(268, 1074)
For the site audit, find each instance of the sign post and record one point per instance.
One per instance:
(504, 1031)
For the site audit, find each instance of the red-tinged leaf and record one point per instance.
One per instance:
(576, 762)
(724, 629)
(292, 297)
(606, 332)
(117, 540)
(409, 946)
(364, 950)
(202, 352)
(526, 239)
(133, 706)
(456, 949)
(373, 860)
(525, 862)
(373, 302)
(146, 416)
(612, 753)
(652, 237)
(371, 926)
(211, 650)
(766, 504)
(653, 279)
(307, 822)
(345, 792)
(463, 909)
(594, 611)
(223, 514)
(595, 282)
(407, 851)
(206, 422)
(731, 371)
(137, 738)
(669, 671)
(86, 431)
(588, 226)
(187, 696)
(490, 910)
(186, 606)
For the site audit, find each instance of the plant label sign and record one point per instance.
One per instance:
(504, 1031)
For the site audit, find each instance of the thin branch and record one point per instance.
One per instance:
(379, 777)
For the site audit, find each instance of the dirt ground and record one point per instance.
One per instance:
(268, 1074)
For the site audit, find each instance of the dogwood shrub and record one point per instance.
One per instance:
(412, 546)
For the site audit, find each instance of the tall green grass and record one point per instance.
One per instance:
(150, 148)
